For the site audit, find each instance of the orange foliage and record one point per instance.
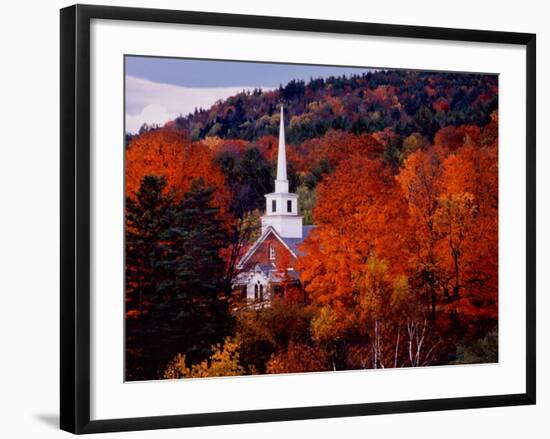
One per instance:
(174, 156)
(435, 224)
(382, 94)
(298, 358)
(420, 181)
(453, 138)
(358, 214)
(468, 216)
(441, 104)
(268, 147)
(337, 146)
(217, 145)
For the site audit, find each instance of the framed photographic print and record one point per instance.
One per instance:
(267, 218)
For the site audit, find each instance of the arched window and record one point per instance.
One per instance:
(255, 292)
(271, 253)
(261, 293)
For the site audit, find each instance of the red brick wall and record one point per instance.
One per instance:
(261, 255)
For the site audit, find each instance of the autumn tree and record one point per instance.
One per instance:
(421, 186)
(298, 358)
(398, 327)
(172, 155)
(467, 219)
(262, 332)
(224, 361)
(351, 226)
(356, 232)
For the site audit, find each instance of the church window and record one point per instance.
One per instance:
(255, 292)
(289, 205)
(273, 205)
(271, 253)
(261, 293)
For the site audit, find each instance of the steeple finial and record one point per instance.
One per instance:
(281, 183)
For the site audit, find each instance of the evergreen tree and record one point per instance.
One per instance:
(249, 176)
(176, 289)
(146, 218)
(194, 314)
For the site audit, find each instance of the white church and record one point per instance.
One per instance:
(269, 265)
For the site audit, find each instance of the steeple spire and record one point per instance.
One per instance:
(281, 210)
(281, 183)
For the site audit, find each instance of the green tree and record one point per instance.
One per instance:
(249, 177)
(146, 218)
(193, 315)
(307, 203)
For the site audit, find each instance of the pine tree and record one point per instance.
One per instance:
(194, 315)
(146, 218)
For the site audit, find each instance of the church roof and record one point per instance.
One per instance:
(277, 277)
(293, 243)
(265, 268)
(269, 272)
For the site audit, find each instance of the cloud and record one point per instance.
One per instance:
(152, 114)
(155, 103)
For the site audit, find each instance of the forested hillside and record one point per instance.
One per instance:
(404, 101)
(399, 172)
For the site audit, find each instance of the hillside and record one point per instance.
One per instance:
(405, 101)
(385, 114)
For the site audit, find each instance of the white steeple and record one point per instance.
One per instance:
(281, 211)
(281, 183)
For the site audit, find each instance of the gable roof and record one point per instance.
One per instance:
(264, 268)
(293, 243)
(290, 243)
(270, 230)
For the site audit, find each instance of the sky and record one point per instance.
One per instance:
(160, 89)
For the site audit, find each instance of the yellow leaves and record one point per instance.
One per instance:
(212, 142)
(176, 368)
(313, 107)
(401, 292)
(457, 208)
(377, 268)
(373, 286)
(413, 143)
(224, 361)
(250, 329)
(324, 326)
(454, 219)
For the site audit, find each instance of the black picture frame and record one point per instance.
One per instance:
(75, 217)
